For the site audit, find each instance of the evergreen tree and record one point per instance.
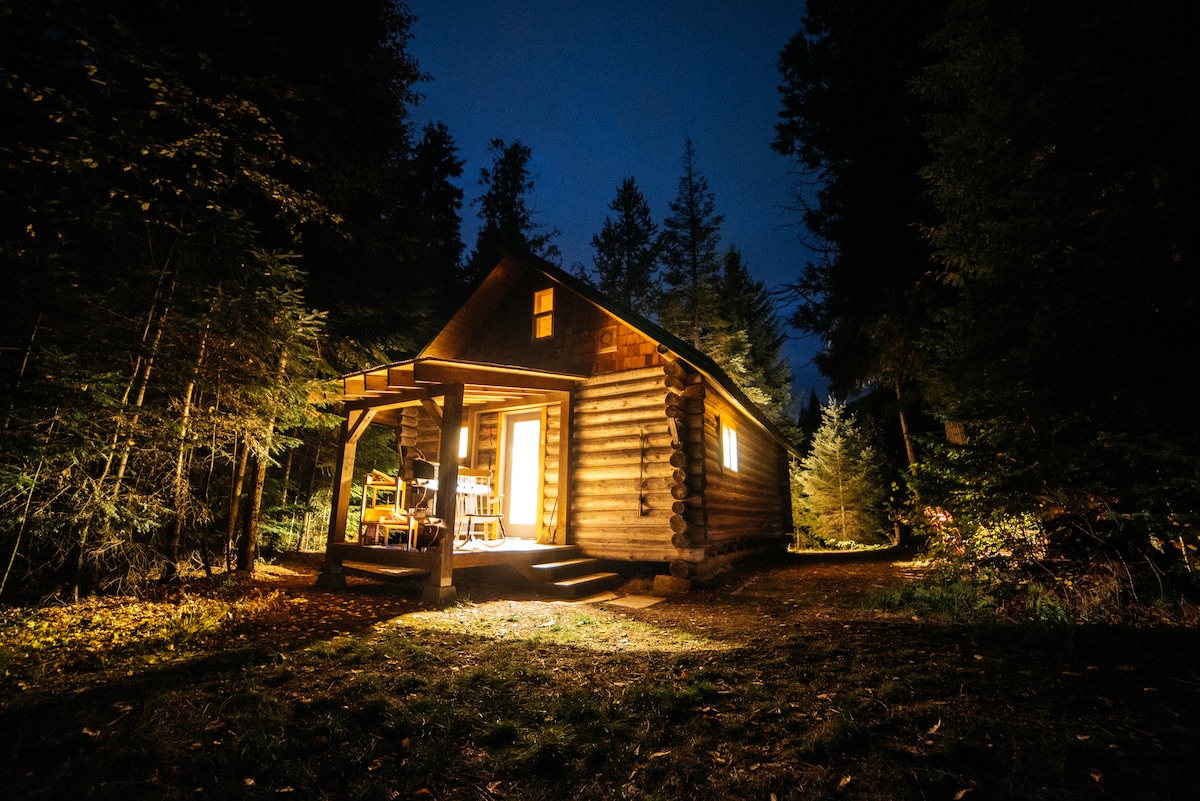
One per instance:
(690, 237)
(626, 251)
(808, 421)
(840, 486)
(746, 339)
(159, 173)
(436, 201)
(847, 77)
(1064, 170)
(504, 210)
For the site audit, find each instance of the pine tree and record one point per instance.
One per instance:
(808, 421)
(1065, 175)
(689, 254)
(846, 78)
(504, 210)
(626, 251)
(747, 312)
(840, 486)
(159, 174)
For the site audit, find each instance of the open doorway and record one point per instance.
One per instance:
(521, 474)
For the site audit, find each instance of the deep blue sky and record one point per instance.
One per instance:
(601, 91)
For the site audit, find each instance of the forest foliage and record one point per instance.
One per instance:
(1006, 285)
(186, 184)
(183, 179)
(1009, 275)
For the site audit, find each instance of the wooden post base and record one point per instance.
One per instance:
(435, 595)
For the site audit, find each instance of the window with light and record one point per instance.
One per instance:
(543, 314)
(729, 447)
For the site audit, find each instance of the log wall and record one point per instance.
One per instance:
(621, 474)
(754, 502)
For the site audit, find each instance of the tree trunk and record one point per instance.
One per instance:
(312, 480)
(249, 545)
(235, 501)
(909, 449)
(179, 485)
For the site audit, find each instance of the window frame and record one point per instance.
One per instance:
(729, 445)
(543, 313)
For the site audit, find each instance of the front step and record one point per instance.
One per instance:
(572, 578)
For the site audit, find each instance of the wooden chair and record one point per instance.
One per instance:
(384, 511)
(477, 508)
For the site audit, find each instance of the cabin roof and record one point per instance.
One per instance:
(487, 382)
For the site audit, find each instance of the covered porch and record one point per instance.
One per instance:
(557, 570)
(453, 398)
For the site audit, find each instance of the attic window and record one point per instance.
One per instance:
(543, 314)
(729, 446)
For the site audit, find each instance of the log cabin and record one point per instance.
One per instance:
(604, 438)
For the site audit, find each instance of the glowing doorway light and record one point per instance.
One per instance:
(522, 502)
(462, 443)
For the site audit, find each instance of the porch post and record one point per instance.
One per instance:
(562, 519)
(440, 589)
(352, 428)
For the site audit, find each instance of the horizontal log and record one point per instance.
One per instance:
(686, 505)
(676, 412)
(613, 482)
(678, 475)
(680, 491)
(678, 368)
(674, 383)
(680, 569)
(692, 402)
(658, 457)
(679, 456)
(620, 528)
(721, 496)
(643, 396)
(679, 524)
(681, 540)
(634, 418)
(651, 551)
(624, 377)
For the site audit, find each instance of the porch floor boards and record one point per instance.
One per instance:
(518, 553)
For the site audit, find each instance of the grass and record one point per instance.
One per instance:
(713, 696)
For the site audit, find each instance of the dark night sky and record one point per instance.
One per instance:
(601, 91)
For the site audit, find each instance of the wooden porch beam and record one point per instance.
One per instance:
(440, 589)
(563, 521)
(352, 429)
(432, 410)
(468, 374)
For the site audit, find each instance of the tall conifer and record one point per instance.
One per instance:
(841, 489)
